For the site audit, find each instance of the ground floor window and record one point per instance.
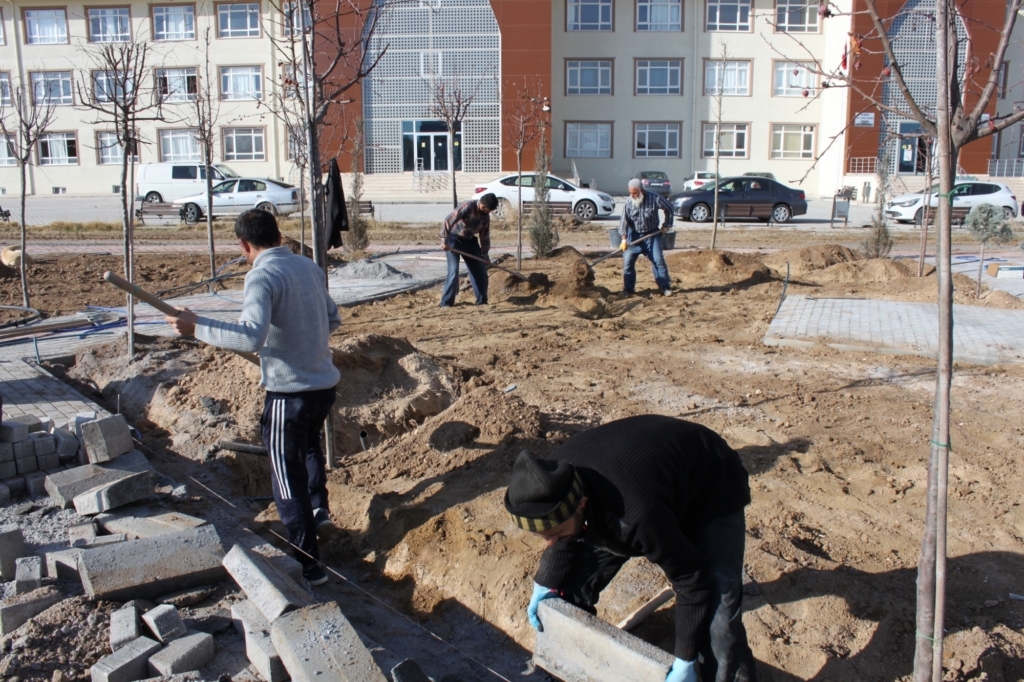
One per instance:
(58, 149)
(656, 140)
(588, 140)
(244, 144)
(110, 150)
(179, 145)
(8, 157)
(732, 142)
(792, 142)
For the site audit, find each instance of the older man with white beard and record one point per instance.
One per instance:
(640, 219)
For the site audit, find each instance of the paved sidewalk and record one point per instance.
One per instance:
(426, 270)
(980, 335)
(29, 389)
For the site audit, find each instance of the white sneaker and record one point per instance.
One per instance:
(666, 292)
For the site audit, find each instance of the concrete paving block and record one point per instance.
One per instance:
(28, 574)
(108, 539)
(48, 462)
(8, 470)
(65, 441)
(12, 548)
(318, 643)
(190, 676)
(124, 626)
(65, 486)
(44, 444)
(16, 611)
(5, 495)
(131, 488)
(63, 564)
(260, 651)
(16, 484)
(284, 562)
(165, 623)
(138, 524)
(270, 590)
(153, 566)
(6, 451)
(578, 647)
(190, 652)
(26, 465)
(36, 483)
(82, 534)
(408, 671)
(127, 664)
(107, 438)
(23, 449)
(32, 422)
(81, 418)
(12, 431)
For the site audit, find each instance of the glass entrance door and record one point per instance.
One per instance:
(432, 151)
(425, 146)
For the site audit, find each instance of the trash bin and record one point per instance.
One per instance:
(668, 240)
(613, 237)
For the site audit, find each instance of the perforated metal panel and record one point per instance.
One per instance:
(431, 41)
(912, 33)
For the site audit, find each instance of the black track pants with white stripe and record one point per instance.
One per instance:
(291, 426)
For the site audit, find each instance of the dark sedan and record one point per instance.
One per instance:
(698, 204)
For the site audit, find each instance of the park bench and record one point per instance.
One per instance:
(366, 208)
(748, 211)
(959, 214)
(557, 207)
(159, 210)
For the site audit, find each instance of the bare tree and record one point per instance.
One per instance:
(522, 118)
(717, 96)
(958, 118)
(23, 122)
(450, 101)
(116, 93)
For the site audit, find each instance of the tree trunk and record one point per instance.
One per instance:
(24, 238)
(451, 154)
(925, 211)
(981, 265)
(714, 225)
(127, 228)
(302, 213)
(519, 207)
(209, 210)
(316, 193)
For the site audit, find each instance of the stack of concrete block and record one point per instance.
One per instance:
(311, 641)
(30, 448)
(173, 649)
(96, 488)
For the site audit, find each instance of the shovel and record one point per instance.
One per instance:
(617, 251)
(167, 309)
(489, 264)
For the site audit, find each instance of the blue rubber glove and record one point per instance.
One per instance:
(682, 671)
(539, 595)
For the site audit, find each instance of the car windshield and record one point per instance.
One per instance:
(224, 187)
(935, 190)
(226, 171)
(710, 186)
(655, 176)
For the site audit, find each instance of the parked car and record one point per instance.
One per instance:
(698, 179)
(237, 195)
(587, 204)
(169, 181)
(770, 176)
(698, 204)
(910, 207)
(655, 181)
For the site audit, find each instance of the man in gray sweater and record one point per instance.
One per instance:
(287, 318)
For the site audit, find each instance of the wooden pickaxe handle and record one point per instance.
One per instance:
(158, 303)
(616, 251)
(489, 264)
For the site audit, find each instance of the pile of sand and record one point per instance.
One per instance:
(809, 258)
(875, 270)
(703, 268)
(574, 277)
(377, 270)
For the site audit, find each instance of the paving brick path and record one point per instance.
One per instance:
(28, 389)
(980, 335)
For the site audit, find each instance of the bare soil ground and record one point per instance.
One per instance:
(836, 445)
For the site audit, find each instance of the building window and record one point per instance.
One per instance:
(659, 15)
(109, 25)
(589, 15)
(293, 21)
(45, 26)
(659, 77)
(296, 145)
(179, 145)
(8, 157)
(241, 82)
(726, 78)
(174, 22)
(52, 87)
(3, 31)
(728, 15)
(659, 140)
(1020, 148)
(793, 78)
(107, 88)
(240, 20)
(588, 78)
(792, 142)
(796, 16)
(5, 89)
(731, 143)
(592, 140)
(293, 80)
(177, 85)
(243, 144)
(111, 151)
(58, 149)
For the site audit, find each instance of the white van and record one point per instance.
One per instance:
(169, 181)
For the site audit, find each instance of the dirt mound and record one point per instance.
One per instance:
(504, 283)
(386, 387)
(703, 267)
(998, 298)
(377, 270)
(296, 246)
(862, 271)
(574, 278)
(809, 258)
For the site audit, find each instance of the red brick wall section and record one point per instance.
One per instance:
(983, 19)
(525, 27)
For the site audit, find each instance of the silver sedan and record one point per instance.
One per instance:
(241, 194)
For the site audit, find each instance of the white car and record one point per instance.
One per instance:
(587, 204)
(240, 194)
(910, 207)
(698, 179)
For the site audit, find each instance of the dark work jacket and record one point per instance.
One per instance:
(337, 209)
(651, 483)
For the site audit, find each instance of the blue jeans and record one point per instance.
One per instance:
(724, 654)
(477, 271)
(650, 248)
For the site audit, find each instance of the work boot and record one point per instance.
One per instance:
(315, 575)
(325, 528)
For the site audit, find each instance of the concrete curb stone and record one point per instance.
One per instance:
(127, 664)
(12, 548)
(17, 610)
(165, 623)
(318, 643)
(190, 652)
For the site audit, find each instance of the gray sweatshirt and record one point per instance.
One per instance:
(287, 317)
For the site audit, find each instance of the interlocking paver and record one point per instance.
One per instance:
(28, 389)
(981, 335)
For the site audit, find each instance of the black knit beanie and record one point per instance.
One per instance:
(542, 493)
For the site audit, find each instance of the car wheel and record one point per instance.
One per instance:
(1009, 213)
(903, 222)
(919, 216)
(504, 209)
(700, 213)
(268, 207)
(154, 198)
(585, 210)
(192, 213)
(781, 214)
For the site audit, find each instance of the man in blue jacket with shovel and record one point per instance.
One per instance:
(639, 220)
